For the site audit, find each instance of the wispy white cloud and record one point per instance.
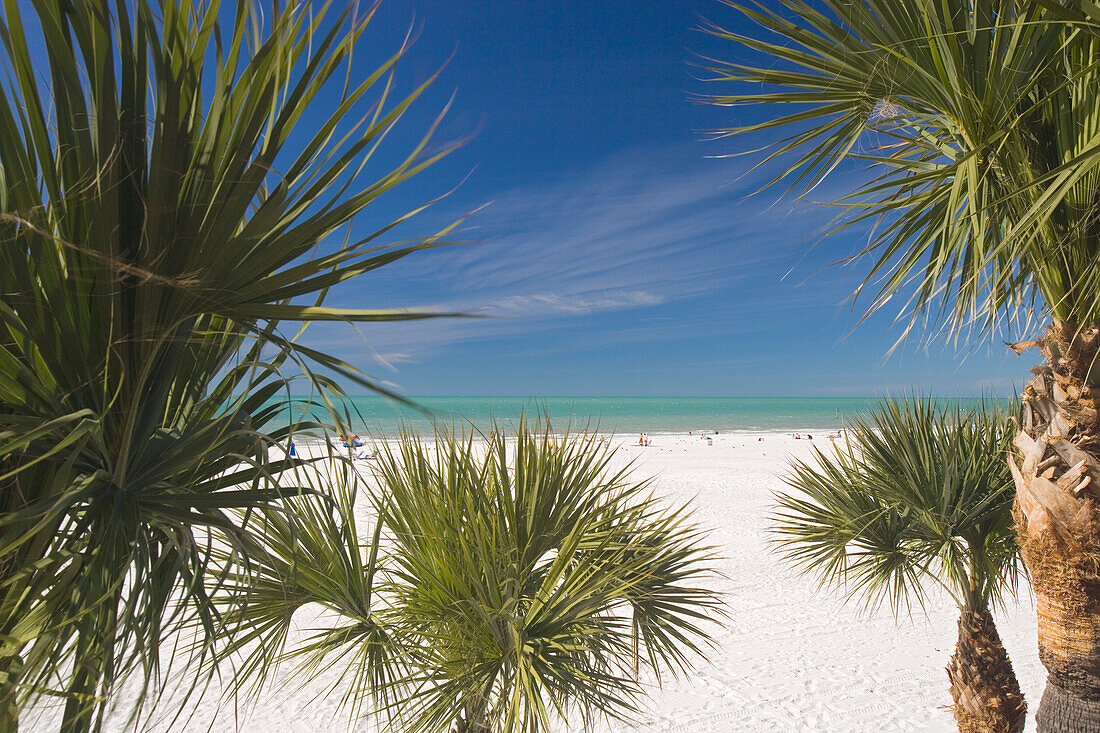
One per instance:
(548, 304)
(628, 223)
(631, 233)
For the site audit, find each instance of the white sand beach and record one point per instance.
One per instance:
(793, 657)
(790, 657)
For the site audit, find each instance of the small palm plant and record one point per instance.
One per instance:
(919, 493)
(522, 580)
(978, 125)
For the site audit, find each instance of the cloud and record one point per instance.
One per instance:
(634, 232)
(627, 223)
(548, 304)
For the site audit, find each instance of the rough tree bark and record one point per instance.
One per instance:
(1057, 472)
(983, 685)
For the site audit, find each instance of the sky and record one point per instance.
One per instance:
(611, 244)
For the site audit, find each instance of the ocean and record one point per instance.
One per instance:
(382, 417)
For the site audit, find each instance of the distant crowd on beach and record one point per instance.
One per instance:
(353, 443)
(707, 435)
(831, 436)
(643, 438)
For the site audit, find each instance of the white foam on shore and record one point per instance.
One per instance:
(790, 657)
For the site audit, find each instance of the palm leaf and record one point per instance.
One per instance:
(164, 209)
(917, 493)
(521, 580)
(980, 120)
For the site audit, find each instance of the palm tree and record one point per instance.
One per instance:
(164, 208)
(982, 122)
(523, 579)
(915, 494)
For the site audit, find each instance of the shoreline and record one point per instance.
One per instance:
(818, 434)
(605, 415)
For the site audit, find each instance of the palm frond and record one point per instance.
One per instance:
(981, 122)
(917, 493)
(164, 208)
(521, 580)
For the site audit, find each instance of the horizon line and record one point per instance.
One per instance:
(670, 396)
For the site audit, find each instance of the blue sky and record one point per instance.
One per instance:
(617, 253)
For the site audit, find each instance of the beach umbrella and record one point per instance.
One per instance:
(972, 128)
(915, 495)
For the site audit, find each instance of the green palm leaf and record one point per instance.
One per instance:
(521, 581)
(989, 162)
(163, 209)
(917, 493)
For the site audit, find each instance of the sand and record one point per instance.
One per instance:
(790, 657)
(793, 657)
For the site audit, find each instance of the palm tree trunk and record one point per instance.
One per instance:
(93, 642)
(9, 687)
(1057, 474)
(471, 721)
(985, 690)
(11, 667)
(80, 707)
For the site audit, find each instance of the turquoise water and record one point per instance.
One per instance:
(623, 415)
